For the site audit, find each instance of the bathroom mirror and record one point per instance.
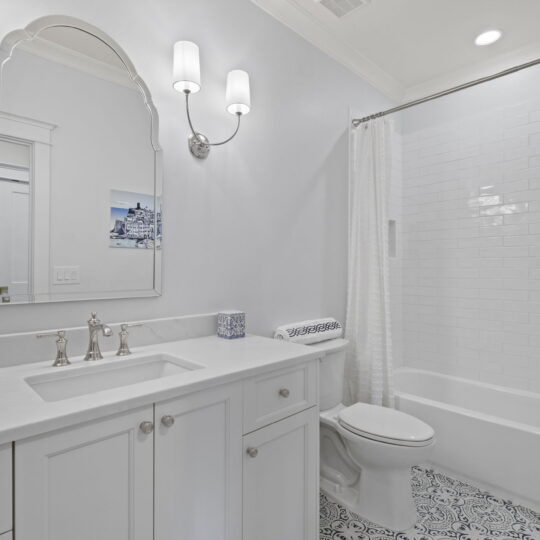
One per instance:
(80, 168)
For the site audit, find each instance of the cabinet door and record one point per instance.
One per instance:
(6, 489)
(92, 482)
(281, 480)
(198, 475)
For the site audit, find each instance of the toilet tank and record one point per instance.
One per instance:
(331, 370)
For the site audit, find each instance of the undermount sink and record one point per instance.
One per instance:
(91, 378)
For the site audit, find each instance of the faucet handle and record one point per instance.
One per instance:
(61, 345)
(130, 325)
(123, 349)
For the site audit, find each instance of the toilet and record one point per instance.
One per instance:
(367, 451)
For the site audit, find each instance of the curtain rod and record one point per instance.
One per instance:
(357, 121)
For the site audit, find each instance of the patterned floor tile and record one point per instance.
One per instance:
(448, 510)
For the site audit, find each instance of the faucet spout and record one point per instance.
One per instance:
(94, 326)
(107, 332)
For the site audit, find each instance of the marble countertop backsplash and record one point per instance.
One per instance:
(24, 348)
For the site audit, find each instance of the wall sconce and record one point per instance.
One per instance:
(187, 79)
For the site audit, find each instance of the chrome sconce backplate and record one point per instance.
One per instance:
(199, 145)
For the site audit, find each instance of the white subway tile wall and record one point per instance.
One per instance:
(470, 247)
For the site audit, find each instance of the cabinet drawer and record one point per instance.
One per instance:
(276, 395)
(6, 489)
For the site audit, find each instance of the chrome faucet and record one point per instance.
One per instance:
(123, 349)
(61, 344)
(94, 326)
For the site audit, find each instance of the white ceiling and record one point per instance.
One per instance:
(411, 48)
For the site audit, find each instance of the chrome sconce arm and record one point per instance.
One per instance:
(198, 144)
(187, 79)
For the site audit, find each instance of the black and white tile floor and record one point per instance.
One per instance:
(448, 510)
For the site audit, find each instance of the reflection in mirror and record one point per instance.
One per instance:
(80, 193)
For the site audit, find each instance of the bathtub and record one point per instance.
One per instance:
(486, 434)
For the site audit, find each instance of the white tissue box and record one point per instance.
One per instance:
(231, 324)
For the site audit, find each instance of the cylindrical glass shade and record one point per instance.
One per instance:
(238, 95)
(186, 70)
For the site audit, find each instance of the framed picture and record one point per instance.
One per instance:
(135, 220)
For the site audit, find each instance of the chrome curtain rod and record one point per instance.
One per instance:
(357, 121)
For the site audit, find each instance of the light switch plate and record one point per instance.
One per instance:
(66, 275)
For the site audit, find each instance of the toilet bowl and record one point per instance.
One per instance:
(367, 451)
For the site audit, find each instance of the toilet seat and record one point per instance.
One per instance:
(385, 425)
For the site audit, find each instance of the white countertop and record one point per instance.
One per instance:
(23, 413)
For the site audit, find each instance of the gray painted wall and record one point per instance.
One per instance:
(262, 224)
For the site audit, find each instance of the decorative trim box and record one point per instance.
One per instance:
(231, 324)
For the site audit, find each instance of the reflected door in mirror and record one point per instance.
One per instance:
(14, 220)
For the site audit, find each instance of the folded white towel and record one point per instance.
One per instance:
(310, 331)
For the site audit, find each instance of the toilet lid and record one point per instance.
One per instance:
(385, 425)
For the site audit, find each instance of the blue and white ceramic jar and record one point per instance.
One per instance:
(231, 324)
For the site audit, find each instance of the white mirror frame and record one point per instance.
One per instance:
(7, 46)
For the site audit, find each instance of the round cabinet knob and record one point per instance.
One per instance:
(252, 452)
(167, 420)
(146, 427)
(284, 392)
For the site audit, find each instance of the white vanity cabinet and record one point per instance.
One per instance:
(236, 461)
(86, 483)
(118, 479)
(198, 466)
(281, 459)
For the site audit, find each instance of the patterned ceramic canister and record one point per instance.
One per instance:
(231, 324)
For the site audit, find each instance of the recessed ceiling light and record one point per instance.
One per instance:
(487, 38)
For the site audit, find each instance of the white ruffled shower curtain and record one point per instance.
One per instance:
(368, 371)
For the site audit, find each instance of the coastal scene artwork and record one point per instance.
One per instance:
(135, 222)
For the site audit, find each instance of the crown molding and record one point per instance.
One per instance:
(55, 52)
(294, 16)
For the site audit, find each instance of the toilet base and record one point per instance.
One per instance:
(345, 496)
(384, 499)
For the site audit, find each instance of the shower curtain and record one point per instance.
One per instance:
(368, 368)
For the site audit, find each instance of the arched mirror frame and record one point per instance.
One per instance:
(32, 31)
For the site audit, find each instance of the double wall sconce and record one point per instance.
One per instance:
(187, 79)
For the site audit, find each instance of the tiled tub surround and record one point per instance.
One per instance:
(448, 510)
(470, 236)
(486, 433)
